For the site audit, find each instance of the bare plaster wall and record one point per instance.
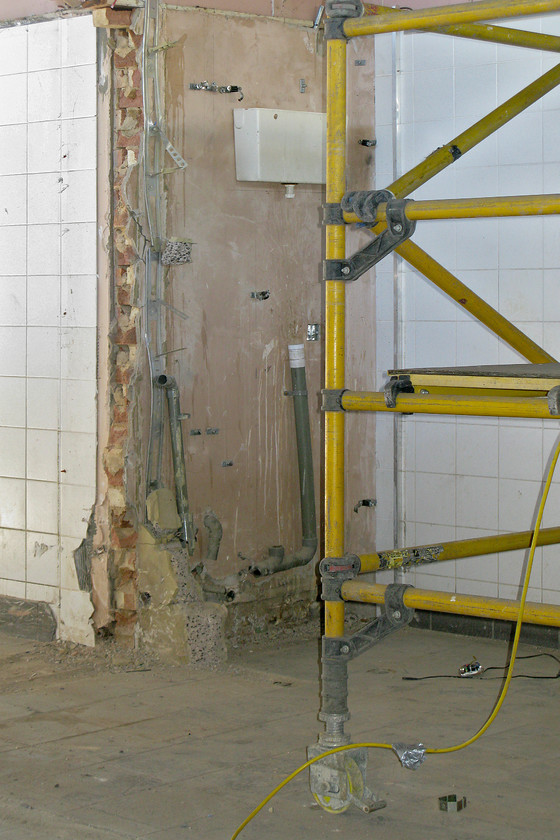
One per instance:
(228, 351)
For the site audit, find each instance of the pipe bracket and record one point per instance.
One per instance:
(399, 229)
(332, 214)
(364, 203)
(553, 399)
(337, 12)
(332, 399)
(395, 386)
(334, 571)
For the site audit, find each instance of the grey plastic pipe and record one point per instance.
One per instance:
(277, 561)
(178, 456)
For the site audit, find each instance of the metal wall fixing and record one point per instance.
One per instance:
(214, 88)
(313, 332)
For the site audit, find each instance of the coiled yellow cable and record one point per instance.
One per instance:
(500, 700)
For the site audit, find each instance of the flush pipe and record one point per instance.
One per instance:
(169, 384)
(277, 561)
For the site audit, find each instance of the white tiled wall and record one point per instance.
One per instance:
(467, 477)
(48, 293)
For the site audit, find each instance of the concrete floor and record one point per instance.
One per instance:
(94, 747)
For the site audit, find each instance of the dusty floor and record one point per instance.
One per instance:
(98, 745)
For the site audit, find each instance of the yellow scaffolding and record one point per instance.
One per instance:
(531, 390)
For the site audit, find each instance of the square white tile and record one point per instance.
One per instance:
(12, 452)
(42, 558)
(42, 455)
(43, 45)
(13, 250)
(12, 588)
(78, 35)
(13, 50)
(12, 502)
(39, 592)
(42, 506)
(435, 499)
(78, 353)
(43, 249)
(79, 196)
(12, 552)
(12, 351)
(13, 96)
(44, 146)
(79, 300)
(13, 200)
(76, 504)
(43, 301)
(13, 298)
(44, 96)
(79, 248)
(435, 447)
(43, 351)
(79, 143)
(12, 401)
(79, 91)
(78, 458)
(78, 406)
(44, 197)
(76, 610)
(43, 398)
(13, 149)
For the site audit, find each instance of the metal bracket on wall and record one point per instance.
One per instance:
(214, 88)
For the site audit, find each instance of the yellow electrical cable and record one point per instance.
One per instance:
(499, 702)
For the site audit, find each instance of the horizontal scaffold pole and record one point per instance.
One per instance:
(502, 35)
(482, 406)
(475, 605)
(487, 32)
(474, 304)
(472, 208)
(472, 136)
(446, 15)
(454, 550)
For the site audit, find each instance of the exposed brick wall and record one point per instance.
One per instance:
(128, 130)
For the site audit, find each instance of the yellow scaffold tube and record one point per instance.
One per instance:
(446, 15)
(468, 139)
(335, 317)
(472, 208)
(476, 605)
(448, 404)
(486, 32)
(454, 550)
(502, 35)
(474, 304)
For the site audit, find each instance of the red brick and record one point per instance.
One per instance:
(117, 433)
(130, 98)
(123, 537)
(125, 61)
(126, 337)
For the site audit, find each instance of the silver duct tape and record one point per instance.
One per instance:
(410, 756)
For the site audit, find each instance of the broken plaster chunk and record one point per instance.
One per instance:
(205, 623)
(156, 576)
(161, 509)
(163, 631)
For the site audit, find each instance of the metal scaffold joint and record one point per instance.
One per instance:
(337, 12)
(399, 229)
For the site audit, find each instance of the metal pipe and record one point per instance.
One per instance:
(464, 142)
(471, 208)
(495, 406)
(277, 561)
(487, 32)
(502, 35)
(470, 301)
(454, 550)
(449, 602)
(178, 456)
(335, 318)
(445, 15)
